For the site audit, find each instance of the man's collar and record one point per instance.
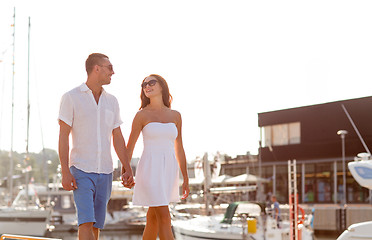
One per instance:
(85, 88)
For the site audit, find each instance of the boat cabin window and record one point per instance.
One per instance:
(66, 202)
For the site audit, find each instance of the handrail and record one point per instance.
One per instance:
(11, 237)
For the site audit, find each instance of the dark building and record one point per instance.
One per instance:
(309, 136)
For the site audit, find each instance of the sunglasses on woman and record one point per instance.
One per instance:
(151, 83)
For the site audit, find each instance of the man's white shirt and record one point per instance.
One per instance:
(91, 128)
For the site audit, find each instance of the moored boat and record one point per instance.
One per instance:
(32, 219)
(242, 220)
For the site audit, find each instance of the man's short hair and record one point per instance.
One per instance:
(92, 60)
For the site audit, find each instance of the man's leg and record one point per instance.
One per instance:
(83, 197)
(96, 232)
(101, 199)
(86, 231)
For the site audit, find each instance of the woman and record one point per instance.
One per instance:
(157, 171)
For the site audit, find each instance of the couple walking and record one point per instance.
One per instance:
(92, 117)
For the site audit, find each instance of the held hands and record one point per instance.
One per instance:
(185, 190)
(68, 181)
(127, 180)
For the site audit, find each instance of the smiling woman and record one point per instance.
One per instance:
(157, 171)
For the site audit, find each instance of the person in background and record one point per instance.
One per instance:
(157, 171)
(276, 213)
(92, 117)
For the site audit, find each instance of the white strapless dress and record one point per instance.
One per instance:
(157, 173)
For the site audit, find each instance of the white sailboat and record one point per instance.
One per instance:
(23, 217)
(242, 220)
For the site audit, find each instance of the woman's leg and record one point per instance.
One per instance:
(151, 229)
(164, 221)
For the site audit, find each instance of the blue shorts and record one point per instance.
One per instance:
(91, 196)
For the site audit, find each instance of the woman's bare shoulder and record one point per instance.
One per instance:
(175, 113)
(140, 116)
(176, 116)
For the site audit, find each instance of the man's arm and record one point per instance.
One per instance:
(121, 151)
(68, 181)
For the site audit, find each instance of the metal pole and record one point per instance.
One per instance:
(259, 183)
(343, 167)
(274, 180)
(303, 182)
(342, 133)
(335, 182)
(295, 198)
(207, 184)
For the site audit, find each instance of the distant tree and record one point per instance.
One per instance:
(42, 164)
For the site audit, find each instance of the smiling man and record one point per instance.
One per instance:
(92, 117)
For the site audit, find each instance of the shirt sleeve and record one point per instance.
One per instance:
(117, 118)
(66, 110)
(276, 205)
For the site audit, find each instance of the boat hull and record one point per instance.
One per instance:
(357, 231)
(24, 222)
(204, 227)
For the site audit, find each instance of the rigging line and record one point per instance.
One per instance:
(38, 106)
(2, 60)
(6, 49)
(28, 115)
(356, 129)
(37, 94)
(2, 100)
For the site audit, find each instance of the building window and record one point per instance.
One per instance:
(294, 133)
(282, 134)
(267, 136)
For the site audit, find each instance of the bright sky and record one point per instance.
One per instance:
(225, 61)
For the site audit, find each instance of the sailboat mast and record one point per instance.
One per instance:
(28, 87)
(28, 114)
(10, 176)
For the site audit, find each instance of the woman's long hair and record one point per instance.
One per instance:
(167, 97)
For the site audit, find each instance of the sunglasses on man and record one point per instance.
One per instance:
(109, 67)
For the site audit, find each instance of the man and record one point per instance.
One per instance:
(92, 116)
(276, 213)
